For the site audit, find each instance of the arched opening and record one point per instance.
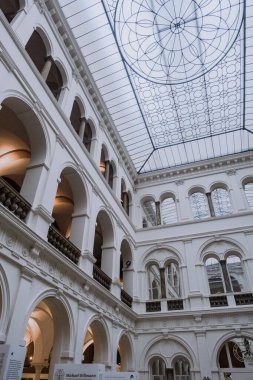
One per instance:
(111, 175)
(235, 357)
(9, 8)
(149, 214)
(44, 339)
(221, 201)
(124, 197)
(15, 149)
(75, 117)
(157, 369)
(95, 348)
(63, 207)
(154, 281)
(66, 232)
(182, 369)
(54, 80)
(22, 155)
(103, 249)
(103, 160)
(125, 270)
(199, 205)
(168, 210)
(124, 354)
(87, 137)
(248, 190)
(37, 49)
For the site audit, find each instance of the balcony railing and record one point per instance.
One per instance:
(126, 298)
(218, 301)
(175, 305)
(153, 306)
(101, 277)
(243, 299)
(12, 200)
(63, 245)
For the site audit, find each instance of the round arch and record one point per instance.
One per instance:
(125, 348)
(4, 303)
(97, 333)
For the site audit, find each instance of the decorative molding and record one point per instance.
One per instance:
(41, 6)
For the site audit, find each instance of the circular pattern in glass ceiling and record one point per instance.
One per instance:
(175, 41)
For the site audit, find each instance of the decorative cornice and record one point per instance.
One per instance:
(215, 165)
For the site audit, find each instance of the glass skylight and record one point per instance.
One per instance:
(176, 76)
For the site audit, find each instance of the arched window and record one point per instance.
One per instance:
(75, 117)
(102, 162)
(111, 175)
(225, 275)
(199, 205)
(168, 211)
(87, 137)
(173, 283)
(214, 275)
(236, 353)
(124, 197)
(9, 8)
(154, 282)
(182, 369)
(236, 273)
(157, 369)
(38, 52)
(248, 189)
(149, 210)
(221, 202)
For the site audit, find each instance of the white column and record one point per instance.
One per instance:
(203, 354)
(79, 339)
(16, 331)
(236, 192)
(184, 204)
(46, 68)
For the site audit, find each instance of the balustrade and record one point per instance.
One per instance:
(101, 277)
(63, 245)
(12, 200)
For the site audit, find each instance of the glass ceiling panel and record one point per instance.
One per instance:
(176, 76)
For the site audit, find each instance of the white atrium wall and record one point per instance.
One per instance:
(37, 280)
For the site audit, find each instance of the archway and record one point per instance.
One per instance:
(23, 151)
(95, 349)
(235, 357)
(124, 354)
(44, 337)
(103, 249)
(69, 212)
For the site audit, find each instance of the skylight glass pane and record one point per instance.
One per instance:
(174, 75)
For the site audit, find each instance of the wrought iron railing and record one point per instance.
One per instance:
(175, 304)
(243, 299)
(12, 200)
(153, 306)
(126, 298)
(63, 245)
(218, 301)
(101, 277)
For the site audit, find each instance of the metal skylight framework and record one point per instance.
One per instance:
(176, 76)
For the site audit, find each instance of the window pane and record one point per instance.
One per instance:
(154, 282)
(221, 202)
(173, 285)
(248, 188)
(199, 206)
(169, 211)
(236, 273)
(214, 276)
(150, 212)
